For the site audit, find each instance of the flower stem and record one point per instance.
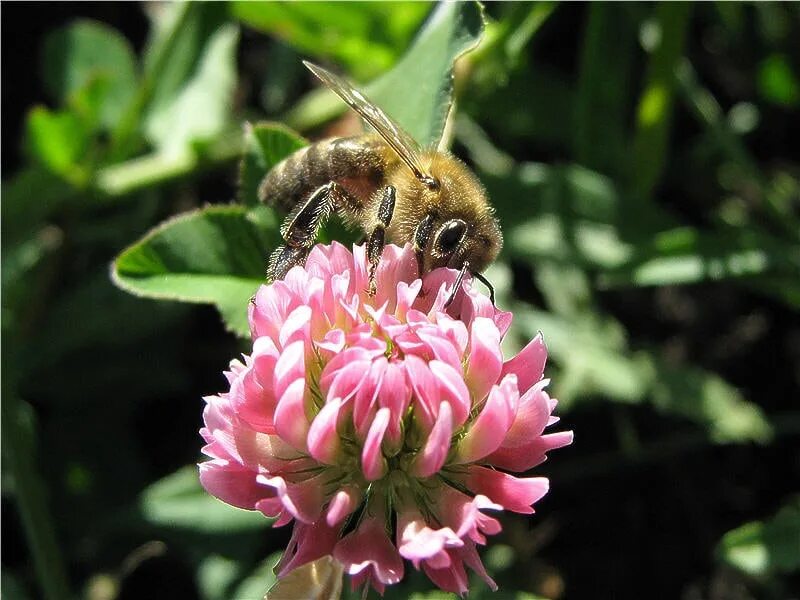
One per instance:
(18, 455)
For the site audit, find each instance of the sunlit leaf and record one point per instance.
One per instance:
(686, 255)
(201, 107)
(344, 32)
(84, 53)
(266, 144)
(761, 547)
(216, 255)
(417, 91)
(58, 141)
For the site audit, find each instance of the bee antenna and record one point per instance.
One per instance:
(485, 282)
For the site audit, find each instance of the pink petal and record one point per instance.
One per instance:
(490, 427)
(372, 461)
(323, 438)
(406, 295)
(451, 579)
(503, 321)
(528, 456)
(463, 514)
(296, 327)
(291, 422)
(456, 331)
(290, 367)
(470, 556)
(418, 542)
(433, 455)
(232, 483)
(485, 358)
(303, 500)
(348, 380)
(394, 395)
(368, 547)
(343, 502)
(263, 452)
(532, 417)
(452, 389)
(426, 391)
(308, 543)
(441, 347)
(515, 494)
(528, 365)
(366, 402)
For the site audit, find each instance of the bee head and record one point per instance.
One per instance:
(464, 228)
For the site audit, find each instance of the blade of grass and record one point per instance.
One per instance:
(653, 114)
(601, 102)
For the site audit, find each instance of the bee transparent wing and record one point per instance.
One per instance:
(394, 135)
(321, 579)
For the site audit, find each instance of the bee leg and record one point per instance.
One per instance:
(421, 236)
(300, 229)
(485, 282)
(377, 238)
(457, 285)
(283, 259)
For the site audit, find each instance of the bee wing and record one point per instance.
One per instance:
(394, 135)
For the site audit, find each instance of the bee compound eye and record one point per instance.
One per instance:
(450, 236)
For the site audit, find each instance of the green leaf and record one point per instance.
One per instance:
(266, 144)
(256, 584)
(178, 501)
(761, 547)
(685, 255)
(709, 400)
(417, 92)
(201, 107)
(345, 32)
(569, 214)
(591, 351)
(58, 141)
(776, 81)
(86, 53)
(29, 197)
(215, 255)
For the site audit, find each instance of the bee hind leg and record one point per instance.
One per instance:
(377, 237)
(300, 230)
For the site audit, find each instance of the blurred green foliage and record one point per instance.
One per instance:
(643, 163)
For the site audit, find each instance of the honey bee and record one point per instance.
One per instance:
(384, 184)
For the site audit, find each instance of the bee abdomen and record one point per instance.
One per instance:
(355, 163)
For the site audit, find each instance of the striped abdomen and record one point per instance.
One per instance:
(358, 164)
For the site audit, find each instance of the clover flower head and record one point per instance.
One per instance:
(385, 427)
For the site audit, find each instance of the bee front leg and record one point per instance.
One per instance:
(377, 238)
(421, 236)
(300, 229)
